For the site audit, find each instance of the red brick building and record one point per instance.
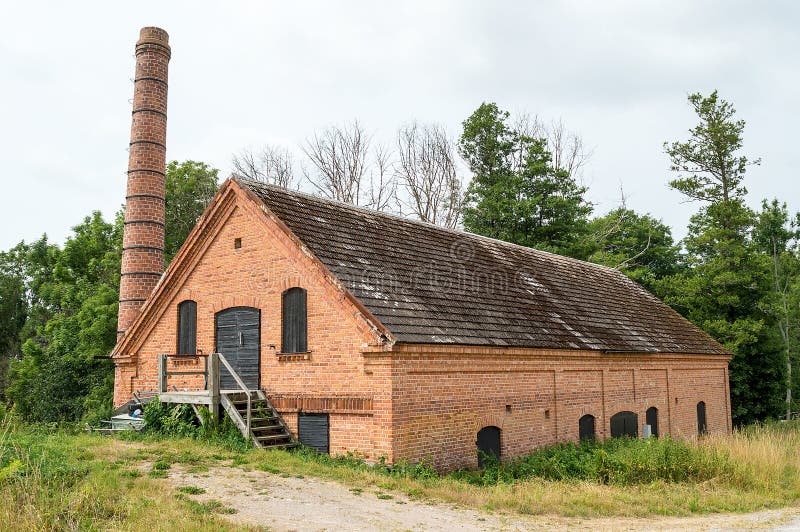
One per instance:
(393, 338)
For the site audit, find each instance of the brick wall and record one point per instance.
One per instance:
(444, 395)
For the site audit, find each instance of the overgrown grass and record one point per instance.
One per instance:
(752, 469)
(57, 478)
(60, 479)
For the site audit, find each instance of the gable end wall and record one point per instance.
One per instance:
(331, 380)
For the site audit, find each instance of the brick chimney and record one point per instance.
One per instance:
(143, 237)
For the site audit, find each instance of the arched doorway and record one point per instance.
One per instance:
(238, 338)
(624, 424)
(488, 445)
(586, 429)
(651, 418)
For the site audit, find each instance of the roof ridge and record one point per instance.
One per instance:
(373, 212)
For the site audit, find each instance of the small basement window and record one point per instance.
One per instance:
(237, 243)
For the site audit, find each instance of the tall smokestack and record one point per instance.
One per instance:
(143, 237)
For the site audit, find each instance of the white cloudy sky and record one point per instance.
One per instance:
(247, 73)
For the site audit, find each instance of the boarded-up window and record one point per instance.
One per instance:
(702, 428)
(313, 430)
(586, 429)
(294, 321)
(624, 424)
(187, 328)
(651, 418)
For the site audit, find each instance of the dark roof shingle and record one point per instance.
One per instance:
(427, 284)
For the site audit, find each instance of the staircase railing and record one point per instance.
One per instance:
(211, 384)
(239, 382)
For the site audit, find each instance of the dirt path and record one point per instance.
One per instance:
(288, 503)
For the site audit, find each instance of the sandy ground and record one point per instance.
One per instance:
(280, 503)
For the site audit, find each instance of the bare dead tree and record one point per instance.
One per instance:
(271, 164)
(346, 167)
(566, 147)
(382, 189)
(427, 171)
(339, 157)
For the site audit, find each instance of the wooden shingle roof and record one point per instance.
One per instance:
(427, 284)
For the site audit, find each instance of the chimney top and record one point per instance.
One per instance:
(152, 34)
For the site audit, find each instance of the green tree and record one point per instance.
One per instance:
(72, 324)
(13, 309)
(516, 194)
(776, 235)
(727, 280)
(190, 186)
(60, 370)
(638, 245)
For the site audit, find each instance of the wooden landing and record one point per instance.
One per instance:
(199, 397)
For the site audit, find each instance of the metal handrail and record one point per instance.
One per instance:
(241, 385)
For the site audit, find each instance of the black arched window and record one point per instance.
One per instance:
(651, 418)
(294, 323)
(488, 445)
(586, 428)
(624, 424)
(187, 327)
(702, 428)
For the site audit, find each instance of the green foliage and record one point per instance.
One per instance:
(190, 185)
(58, 306)
(516, 194)
(162, 419)
(708, 164)
(619, 461)
(727, 280)
(638, 245)
(72, 314)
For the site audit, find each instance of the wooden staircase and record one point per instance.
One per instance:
(257, 420)
(249, 409)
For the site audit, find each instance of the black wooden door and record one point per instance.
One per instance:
(313, 431)
(651, 418)
(238, 334)
(488, 445)
(624, 424)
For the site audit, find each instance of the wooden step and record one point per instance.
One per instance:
(267, 428)
(260, 419)
(280, 445)
(271, 437)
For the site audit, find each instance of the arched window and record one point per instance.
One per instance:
(488, 445)
(187, 327)
(624, 424)
(651, 418)
(294, 338)
(702, 428)
(586, 428)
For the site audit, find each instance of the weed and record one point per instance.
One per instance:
(191, 490)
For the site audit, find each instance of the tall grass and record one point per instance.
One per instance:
(56, 479)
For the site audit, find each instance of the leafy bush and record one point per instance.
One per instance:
(620, 461)
(179, 421)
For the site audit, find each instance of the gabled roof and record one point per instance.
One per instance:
(427, 284)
